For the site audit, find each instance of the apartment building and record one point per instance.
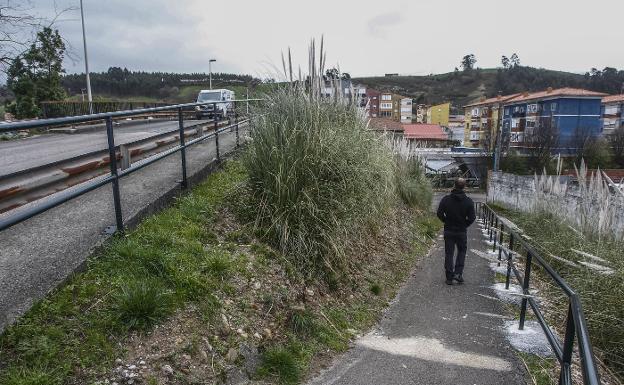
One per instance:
(439, 114)
(385, 105)
(372, 98)
(482, 122)
(612, 113)
(406, 110)
(569, 112)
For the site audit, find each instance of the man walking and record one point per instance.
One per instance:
(457, 212)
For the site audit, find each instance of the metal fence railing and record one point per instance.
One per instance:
(512, 246)
(115, 173)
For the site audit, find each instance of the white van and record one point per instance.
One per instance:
(223, 99)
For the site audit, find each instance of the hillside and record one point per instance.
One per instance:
(462, 87)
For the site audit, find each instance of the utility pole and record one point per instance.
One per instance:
(84, 41)
(210, 70)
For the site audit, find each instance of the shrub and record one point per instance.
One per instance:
(302, 322)
(317, 176)
(281, 363)
(140, 304)
(412, 186)
(375, 288)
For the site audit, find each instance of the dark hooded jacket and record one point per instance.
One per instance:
(457, 211)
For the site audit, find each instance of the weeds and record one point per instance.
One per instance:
(282, 364)
(140, 304)
(375, 289)
(302, 322)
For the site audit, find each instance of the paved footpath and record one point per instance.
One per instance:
(434, 333)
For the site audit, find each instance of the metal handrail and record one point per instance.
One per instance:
(37, 123)
(115, 175)
(576, 325)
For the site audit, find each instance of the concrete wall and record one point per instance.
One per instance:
(598, 213)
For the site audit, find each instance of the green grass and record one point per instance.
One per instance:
(331, 327)
(601, 295)
(133, 283)
(541, 369)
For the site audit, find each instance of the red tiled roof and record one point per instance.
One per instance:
(613, 98)
(567, 91)
(497, 99)
(385, 124)
(424, 131)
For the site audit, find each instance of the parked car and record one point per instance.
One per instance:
(218, 103)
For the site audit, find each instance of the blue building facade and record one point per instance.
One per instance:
(568, 116)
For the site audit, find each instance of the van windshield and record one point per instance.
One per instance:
(209, 96)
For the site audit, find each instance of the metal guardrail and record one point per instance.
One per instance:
(576, 326)
(115, 174)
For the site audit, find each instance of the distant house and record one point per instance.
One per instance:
(571, 113)
(439, 114)
(482, 121)
(372, 97)
(406, 110)
(426, 135)
(612, 113)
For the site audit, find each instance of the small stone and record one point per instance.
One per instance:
(267, 333)
(231, 355)
(257, 285)
(203, 355)
(130, 381)
(224, 321)
(310, 292)
(142, 363)
(118, 361)
(186, 357)
(132, 367)
(257, 336)
(167, 370)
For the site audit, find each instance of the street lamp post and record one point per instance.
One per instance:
(84, 41)
(210, 70)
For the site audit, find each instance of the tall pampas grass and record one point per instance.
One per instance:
(317, 175)
(591, 207)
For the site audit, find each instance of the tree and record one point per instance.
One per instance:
(505, 62)
(540, 143)
(332, 73)
(35, 76)
(515, 60)
(616, 142)
(17, 24)
(468, 62)
(596, 153)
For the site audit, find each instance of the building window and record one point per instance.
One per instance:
(553, 107)
(475, 112)
(385, 114)
(506, 110)
(530, 123)
(612, 109)
(515, 123)
(386, 105)
(475, 135)
(532, 108)
(516, 137)
(386, 97)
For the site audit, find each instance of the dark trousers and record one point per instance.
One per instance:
(454, 239)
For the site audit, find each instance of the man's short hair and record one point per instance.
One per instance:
(460, 183)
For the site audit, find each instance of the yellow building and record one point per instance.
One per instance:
(482, 122)
(439, 114)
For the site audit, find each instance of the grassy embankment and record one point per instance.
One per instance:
(278, 259)
(601, 294)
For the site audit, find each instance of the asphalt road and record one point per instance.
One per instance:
(17, 155)
(39, 253)
(435, 334)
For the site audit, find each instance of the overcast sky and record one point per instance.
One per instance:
(366, 37)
